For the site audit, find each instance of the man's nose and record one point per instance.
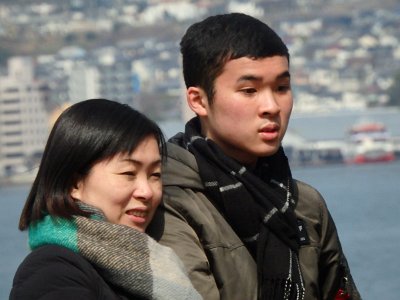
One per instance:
(269, 105)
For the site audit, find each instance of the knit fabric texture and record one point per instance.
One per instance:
(127, 259)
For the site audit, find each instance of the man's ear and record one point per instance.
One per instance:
(197, 100)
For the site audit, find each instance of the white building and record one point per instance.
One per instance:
(110, 77)
(83, 83)
(23, 118)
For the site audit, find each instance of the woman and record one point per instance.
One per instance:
(97, 188)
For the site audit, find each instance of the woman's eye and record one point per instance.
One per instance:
(248, 91)
(128, 173)
(156, 175)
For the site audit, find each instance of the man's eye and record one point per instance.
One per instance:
(284, 88)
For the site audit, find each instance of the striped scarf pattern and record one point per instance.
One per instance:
(259, 208)
(126, 258)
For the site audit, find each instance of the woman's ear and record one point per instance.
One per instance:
(76, 192)
(197, 101)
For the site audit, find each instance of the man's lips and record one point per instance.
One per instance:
(270, 128)
(269, 131)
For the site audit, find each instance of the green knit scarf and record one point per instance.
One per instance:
(124, 257)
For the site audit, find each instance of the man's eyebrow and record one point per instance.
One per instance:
(249, 78)
(283, 75)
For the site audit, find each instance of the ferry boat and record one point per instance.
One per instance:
(302, 152)
(369, 142)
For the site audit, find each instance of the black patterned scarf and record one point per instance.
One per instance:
(259, 206)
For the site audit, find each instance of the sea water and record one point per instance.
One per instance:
(364, 202)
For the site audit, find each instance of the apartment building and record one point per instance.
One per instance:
(104, 76)
(23, 118)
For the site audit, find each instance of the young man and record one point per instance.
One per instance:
(244, 228)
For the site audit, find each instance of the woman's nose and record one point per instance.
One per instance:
(143, 190)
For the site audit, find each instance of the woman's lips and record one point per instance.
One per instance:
(137, 215)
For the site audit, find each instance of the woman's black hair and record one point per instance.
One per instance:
(85, 133)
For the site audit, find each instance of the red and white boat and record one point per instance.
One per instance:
(369, 142)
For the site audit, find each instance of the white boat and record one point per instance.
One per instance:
(369, 142)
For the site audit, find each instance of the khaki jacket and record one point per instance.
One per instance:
(218, 263)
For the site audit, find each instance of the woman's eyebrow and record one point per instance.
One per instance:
(138, 162)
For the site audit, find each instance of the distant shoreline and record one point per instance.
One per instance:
(344, 112)
(8, 183)
(17, 180)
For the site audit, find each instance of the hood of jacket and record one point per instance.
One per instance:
(181, 168)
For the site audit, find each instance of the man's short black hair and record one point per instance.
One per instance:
(209, 44)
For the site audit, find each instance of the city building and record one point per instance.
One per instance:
(23, 117)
